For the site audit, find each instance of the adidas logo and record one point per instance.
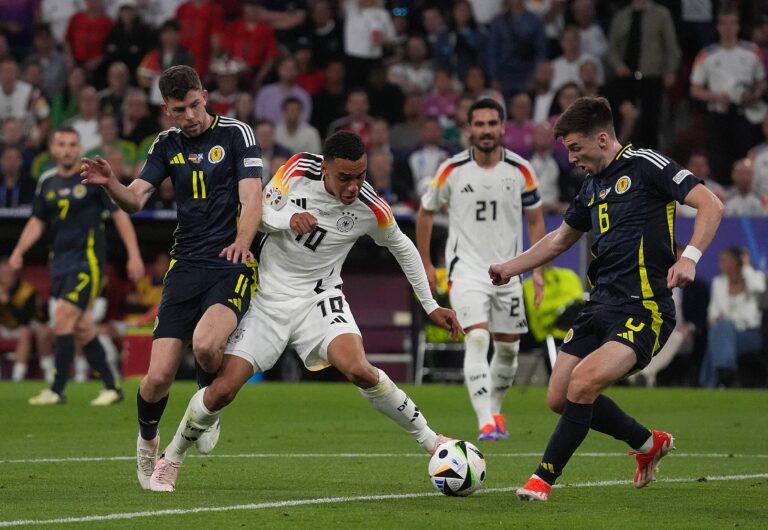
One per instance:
(237, 302)
(301, 203)
(628, 335)
(339, 320)
(178, 159)
(467, 189)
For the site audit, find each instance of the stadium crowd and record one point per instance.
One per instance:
(686, 77)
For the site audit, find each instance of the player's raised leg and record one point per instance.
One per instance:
(345, 352)
(151, 400)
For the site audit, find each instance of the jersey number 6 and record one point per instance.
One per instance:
(602, 215)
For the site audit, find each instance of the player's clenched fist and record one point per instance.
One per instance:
(498, 274)
(303, 223)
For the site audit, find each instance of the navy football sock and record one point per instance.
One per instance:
(97, 358)
(608, 418)
(203, 378)
(568, 435)
(149, 415)
(65, 353)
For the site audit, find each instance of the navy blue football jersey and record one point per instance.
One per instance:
(630, 209)
(74, 215)
(205, 171)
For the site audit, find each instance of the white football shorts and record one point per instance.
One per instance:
(501, 306)
(308, 325)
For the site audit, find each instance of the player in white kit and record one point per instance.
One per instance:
(315, 208)
(486, 190)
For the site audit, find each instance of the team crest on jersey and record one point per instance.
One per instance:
(195, 158)
(604, 193)
(568, 336)
(79, 191)
(51, 195)
(216, 154)
(346, 222)
(236, 336)
(274, 197)
(623, 184)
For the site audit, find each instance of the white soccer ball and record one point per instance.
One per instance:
(457, 468)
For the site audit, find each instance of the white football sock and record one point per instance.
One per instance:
(391, 401)
(503, 370)
(46, 364)
(113, 356)
(81, 368)
(19, 372)
(476, 374)
(197, 419)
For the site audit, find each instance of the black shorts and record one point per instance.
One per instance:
(189, 290)
(78, 287)
(643, 326)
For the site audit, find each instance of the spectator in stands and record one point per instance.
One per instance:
(470, 38)
(56, 14)
(547, 170)
(407, 133)
(227, 72)
(516, 42)
(551, 14)
(380, 176)
(457, 132)
(111, 98)
(18, 99)
(253, 40)
(759, 157)
(698, 164)
(415, 72)
(243, 109)
(310, 77)
(5, 52)
(137, 123)
(486, 11)
(357, 118)
(53, 62)
(293, 132)
(169, 53)
(109, 131)
(368, 29)
(64, 104)
(142, 303)
(86, 38)
(86, 121)
(20, 309)
(591, 36)
(287, 17)
(743, 201)
(326, 36)
(440, 41)
(158, 12)
(16, 187)
(17, 24)
(476, 85)
(265, 135)
(728, 76)
(734, 318)
(644, 55)
(625, 115)
(428, 155)
(11, 134)
(201, 23)
(441, 101)
(269, 100)
(540, 90)
(384, 96)
(567, 94)
(130, 39)
(518, 132)
(329, 104)
(566, 66)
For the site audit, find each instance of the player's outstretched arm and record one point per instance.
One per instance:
(33, 230)
(547, 249)
(249, 191)
(131, 198)
(709, 211)
(135, 265)
(424, 221)
(536, 231)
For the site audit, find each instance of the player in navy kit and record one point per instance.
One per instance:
(74, 215)
(628, 203)
(215, 165)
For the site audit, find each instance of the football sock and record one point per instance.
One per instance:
(391, 401)
(503, 370)
(476, 374)
(113, 356)
(81, 369)
(609, 419)
(65, 352)
(19, 371)
(204, 378)
(195, 422)
(568, 435)
(46, 364)
(97, 358)
(149, 415)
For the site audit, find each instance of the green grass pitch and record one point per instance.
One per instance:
(315, 455)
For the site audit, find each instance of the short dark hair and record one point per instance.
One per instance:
(586, 115)
(176, 81)
(290, 100)
(68, 129)
(343, 144)
(486, 103)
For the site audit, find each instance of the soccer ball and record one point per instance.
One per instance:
(457, 468)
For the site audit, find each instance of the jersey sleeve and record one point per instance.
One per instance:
(439, 192)
(577, 215)
(671, 180)
(154, 170)
(529, 189)
(39, 206)
(248, 163)
(277, 208)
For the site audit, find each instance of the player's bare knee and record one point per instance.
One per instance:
(221, 393)
(556, 403)
(362, 374)
(156, 384)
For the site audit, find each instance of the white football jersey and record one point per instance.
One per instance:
(301, 265)
(485, 207)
